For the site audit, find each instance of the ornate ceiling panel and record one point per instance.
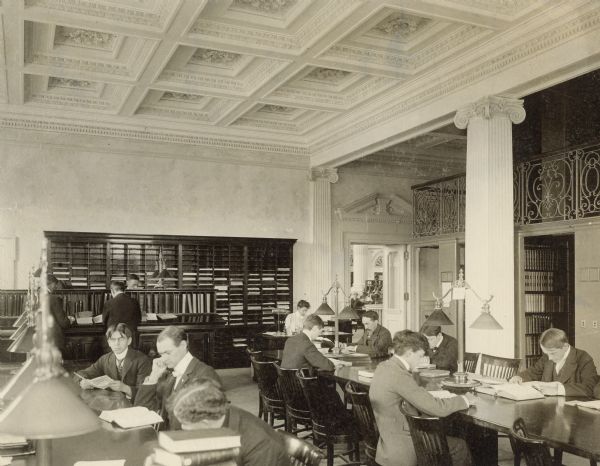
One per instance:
(262, 73)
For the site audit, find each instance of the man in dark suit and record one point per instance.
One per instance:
(173, 371)
(299, 351)
(443, 349)
(562, 370)
(121, 308)
(127, 367)
(56, 306)
(376, 341)
(393, 383)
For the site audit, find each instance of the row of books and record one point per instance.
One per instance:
(11, 305)
(537, 324)
(541, 259)
(539, 281)
(532, 345)
(543, 303)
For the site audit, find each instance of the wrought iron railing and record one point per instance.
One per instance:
(559, 187)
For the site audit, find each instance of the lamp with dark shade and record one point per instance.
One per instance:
(347, 313)
(486, 320)
(324, 309)
(49, 407)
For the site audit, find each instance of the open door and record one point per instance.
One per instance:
(395, 292)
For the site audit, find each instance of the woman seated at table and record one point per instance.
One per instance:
(443, 349)
(294, 322)
(125, 366)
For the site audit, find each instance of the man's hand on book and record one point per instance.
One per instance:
(516, 379)
(86, 384)
(547, 388)
(470, 398)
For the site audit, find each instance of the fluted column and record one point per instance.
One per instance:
(360, 265)
(489, 224)
(321, 180)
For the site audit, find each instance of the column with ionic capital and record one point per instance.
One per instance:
(489, 222)
(321, 180)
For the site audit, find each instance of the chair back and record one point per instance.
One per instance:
(325, 405)
(470, 362)
(500, 368)
(535, 451)
(290, 387)
(266, 377)
(428, 436)
(365, 419)
(300, 452)
(253, 352)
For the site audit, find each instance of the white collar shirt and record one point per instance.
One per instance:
(181, 367)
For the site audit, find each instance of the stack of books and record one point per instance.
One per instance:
(215, 447)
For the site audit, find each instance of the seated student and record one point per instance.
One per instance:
(392, 383)
(294, 322)
(299, 351)
(127, 367)
(204, 405)
(376, 341)
(443, 349)
(171, 372)
(562, 370)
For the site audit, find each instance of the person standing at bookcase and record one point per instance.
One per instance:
(562, 370)
(56, 306)
(294, 322)
(122, 309)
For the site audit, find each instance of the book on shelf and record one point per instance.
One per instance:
(180, 441)
(129, 418)
(166, 316)
(512, 391)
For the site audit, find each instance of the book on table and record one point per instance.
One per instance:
(129, 418)
(180, 441)
(366, 373)
(512, 391)
(224, 457)
(595, 404)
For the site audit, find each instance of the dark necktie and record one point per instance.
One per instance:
(120, 367)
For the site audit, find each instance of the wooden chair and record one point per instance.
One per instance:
(269, 393)
(470, 361)
(257, 354)
(365, 420)
(332, 424)
(499, 368)
(535, 451)
(428, 435)
(296, 409)
(301, 453)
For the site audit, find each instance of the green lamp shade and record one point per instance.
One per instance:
(486, 321)
(348, 314)
(324, 309)
(438, 317)
(48, 409)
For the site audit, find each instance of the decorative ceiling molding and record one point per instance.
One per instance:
(400, 26)
(265, 6)
(84, 38)
(376, 208)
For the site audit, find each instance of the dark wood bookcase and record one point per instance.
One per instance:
(549, 290)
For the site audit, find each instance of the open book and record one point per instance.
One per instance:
(99, 382)
(127, 418)
(366, 373)
(441, 394)
(512, 391)
(595, 404)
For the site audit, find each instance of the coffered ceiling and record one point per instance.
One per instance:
(295, 77)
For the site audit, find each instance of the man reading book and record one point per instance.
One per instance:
(172, 372)
(443, 349)
(562, 370)
(125, 366)
(204, 405)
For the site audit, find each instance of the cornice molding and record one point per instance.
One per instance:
(38, 124)
(491, 107)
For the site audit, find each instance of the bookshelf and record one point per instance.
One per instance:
(548, 274)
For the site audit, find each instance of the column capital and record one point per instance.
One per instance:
(329, 174)
(490, 107)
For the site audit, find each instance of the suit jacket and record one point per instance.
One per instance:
(445, 356)
(391, 384)
(378, 344)
(61, 321)
(578, 375)
(155, 396)
(122, 309)
(300, 352)
(136, 367)
(261, 445)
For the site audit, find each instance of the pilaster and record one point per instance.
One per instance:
(489, 224)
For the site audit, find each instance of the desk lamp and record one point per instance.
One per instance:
(48, 408)
(23, 336)
(325, 310)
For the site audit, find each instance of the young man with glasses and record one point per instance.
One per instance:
(127, 367)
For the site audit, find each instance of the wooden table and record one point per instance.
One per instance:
(273, 341)
(277, 355)
(574, 430)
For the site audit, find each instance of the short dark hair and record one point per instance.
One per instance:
(431, 330)
(117, 285)
(371, 315)
(133, 276)
(51, 279)
(312, 321)
(121, 328)
(177, 334)
(553, 338)
(303, 303)
(409, 340)
(202, 400)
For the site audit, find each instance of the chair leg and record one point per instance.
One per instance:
(558, 454)
(329, 454)
(260, 406)
(517, 460)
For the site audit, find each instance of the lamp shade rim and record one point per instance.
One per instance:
(438, 317)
